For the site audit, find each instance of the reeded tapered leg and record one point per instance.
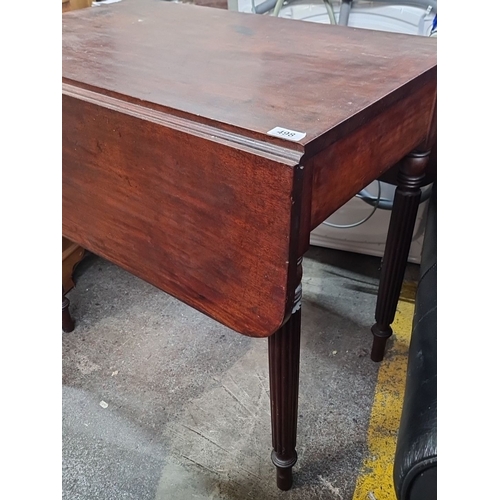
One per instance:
(284, 353)
(404, 213)
(68, 324)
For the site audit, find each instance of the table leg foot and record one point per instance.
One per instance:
(380, 336)
(406, 201)
(284, 478)
(68, 325)
(284, 354)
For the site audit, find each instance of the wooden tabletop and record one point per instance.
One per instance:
(255, 74)
(169, 169)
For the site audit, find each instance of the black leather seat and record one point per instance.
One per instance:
(415, 464)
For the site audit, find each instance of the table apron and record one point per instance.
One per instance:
(211, 224)
(351, 163)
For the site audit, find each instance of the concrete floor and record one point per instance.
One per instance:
(161, 402)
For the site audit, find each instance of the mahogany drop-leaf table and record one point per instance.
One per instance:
(201, 146)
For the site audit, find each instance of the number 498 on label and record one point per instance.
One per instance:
(285, 133)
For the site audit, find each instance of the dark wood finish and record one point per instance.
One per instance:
(284, 354)
(68, 325)
(351, 163)
(169, 170)
(406, 201)
(245, 73)
(72, 254)
(416, 170)
(203, 217)
(122, 97)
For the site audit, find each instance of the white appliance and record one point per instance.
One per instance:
(369, 237)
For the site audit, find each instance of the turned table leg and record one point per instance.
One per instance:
(406, 201)
(284, 351)
(68, 324)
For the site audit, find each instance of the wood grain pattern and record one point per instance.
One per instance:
(168, 169)
(205, 221)
(243, 72)
(350, 164)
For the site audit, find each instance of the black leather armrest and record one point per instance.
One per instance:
(415, 464)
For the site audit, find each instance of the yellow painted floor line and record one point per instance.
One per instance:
(375, 480)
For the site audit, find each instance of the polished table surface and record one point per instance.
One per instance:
(201, 146)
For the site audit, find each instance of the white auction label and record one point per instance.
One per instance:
(285, 133)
